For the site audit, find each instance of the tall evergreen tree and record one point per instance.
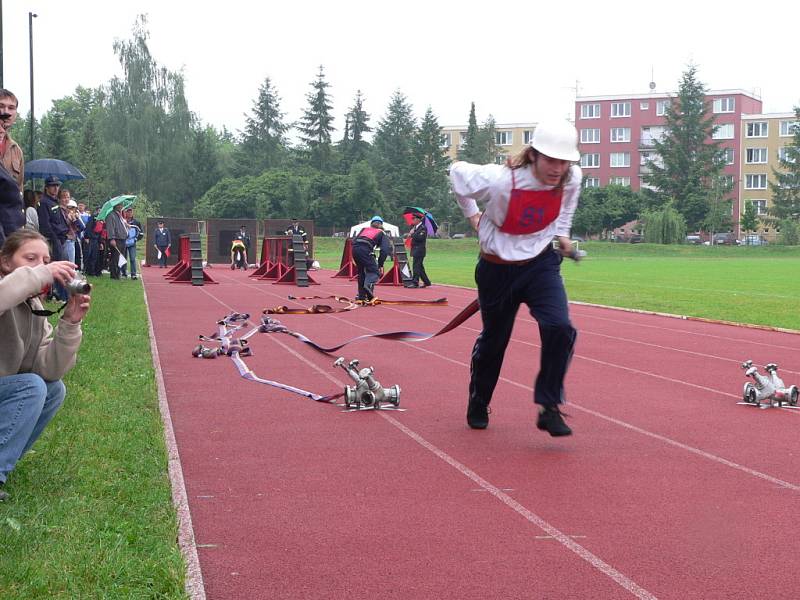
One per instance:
(692, 160)
(488, 136)
(749, 219)
(430, 161)
(55, 136)
(316, 124)
(354, 147)
(91, 161)
(474, 148)
(204, 164)
(264, 138)
(786, 188)
(393, 154)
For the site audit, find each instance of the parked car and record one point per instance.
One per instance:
(725, 239)
(694, 239)
(752, 240)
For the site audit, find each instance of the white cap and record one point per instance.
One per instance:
(557, 139)
(72, 204)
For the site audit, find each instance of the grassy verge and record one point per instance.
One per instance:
(90, 514)
(758, 285)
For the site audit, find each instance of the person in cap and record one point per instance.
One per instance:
(117, 230)
(418, 237)
(369, 270)
(296, 229)
(162, 240)
(528, 202)
(135, 233)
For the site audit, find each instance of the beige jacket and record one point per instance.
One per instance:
(29, 342)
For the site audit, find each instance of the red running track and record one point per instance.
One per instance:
(667, 489)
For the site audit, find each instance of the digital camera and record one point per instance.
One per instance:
(78, 286)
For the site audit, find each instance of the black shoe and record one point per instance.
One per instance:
(477, 414)
(429, 284)
(551, 420)
(412, 285)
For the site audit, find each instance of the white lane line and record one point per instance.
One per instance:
(531, 517)
(194, 576)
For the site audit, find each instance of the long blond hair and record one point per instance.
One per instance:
(527, 157)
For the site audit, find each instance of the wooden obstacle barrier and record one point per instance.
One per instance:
(347, 267)
(190, 262)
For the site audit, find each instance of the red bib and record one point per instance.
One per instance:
(530, 211)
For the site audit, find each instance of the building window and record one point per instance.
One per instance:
(463, 137)
(724, 105)
(661, 107)
(756, 156)
(500, 159)
(591, 182)
(758, 129)
(783, 154)
(644, 106)
(730, 156)
(760, 206)
(590, 161)
(626, 181)
(645, 157)
(527, 136)
(590, 111)
(620, 109)
(504, 138)
(590, 136)
(620, 134)
(755, 181)
(651, 135)
(444, 140)
(620, 159)
(724, 132)
(727, 182)
(788, 128)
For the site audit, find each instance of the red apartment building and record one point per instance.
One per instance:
(617, 134)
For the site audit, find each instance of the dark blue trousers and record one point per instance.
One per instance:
(501, 290)
(368, 270)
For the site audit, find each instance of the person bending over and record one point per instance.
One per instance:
(369, 270)
(35, 356)
(528, 201)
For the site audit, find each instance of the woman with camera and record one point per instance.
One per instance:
(35, 356)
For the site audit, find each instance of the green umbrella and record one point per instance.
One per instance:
(110, 204)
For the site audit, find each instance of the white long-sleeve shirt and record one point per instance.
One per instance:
(491, 185)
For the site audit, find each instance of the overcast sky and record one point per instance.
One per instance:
(517, 61)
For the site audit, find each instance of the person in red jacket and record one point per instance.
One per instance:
(369, 270)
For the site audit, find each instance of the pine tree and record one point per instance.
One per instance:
(353, 146)
(786, 189)
(316, 125)
(393, 155)
(692, 161)
(474, 147)
(263, 143)
(431, 189)
(55, 135)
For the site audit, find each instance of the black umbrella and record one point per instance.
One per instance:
(42, 168)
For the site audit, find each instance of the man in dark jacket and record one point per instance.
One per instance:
(369, 270)
(12, 209)
(418, 236)
(51, 222)
(162, 240)
(117, 231)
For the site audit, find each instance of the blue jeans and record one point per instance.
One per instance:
(130, 255)
(27, 403)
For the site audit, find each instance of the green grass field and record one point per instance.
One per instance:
(91, 513)
(757, 285)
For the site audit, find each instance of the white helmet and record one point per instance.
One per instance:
(557, 139)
